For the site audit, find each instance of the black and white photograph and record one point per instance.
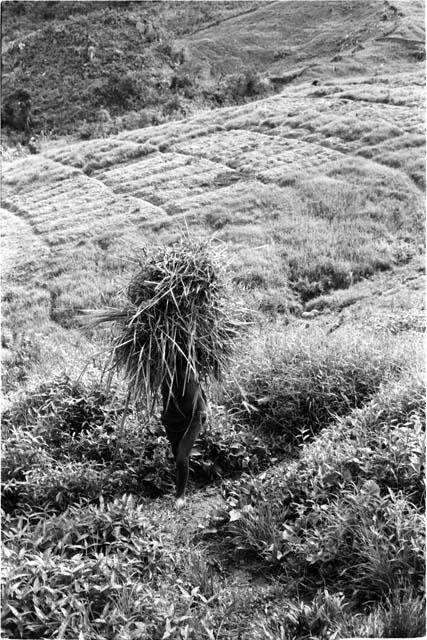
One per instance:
(212, 319)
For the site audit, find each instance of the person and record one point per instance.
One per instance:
(184, 414)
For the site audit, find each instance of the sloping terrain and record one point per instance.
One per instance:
(156, 61)
(280, 35)
(315, 194)
(241, 171)
(73, 59)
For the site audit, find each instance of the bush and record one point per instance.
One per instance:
(348, 514)
(226, 450)
(115, 91)
(181, 80)
(244, 85)
(139, 119)
(16, 110)
(173, 106)
(235, 88)
(64, 406)
(300, 384)
(65, 441)
(59, 574)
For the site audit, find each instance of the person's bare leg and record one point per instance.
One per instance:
(183, 456)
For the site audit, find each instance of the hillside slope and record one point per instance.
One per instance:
(74, 58)
(315, 195)
(280, 35)
(171, 59)
(310, 190)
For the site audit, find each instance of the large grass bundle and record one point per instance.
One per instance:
(177, 313)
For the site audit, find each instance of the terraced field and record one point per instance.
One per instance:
(146, 174)
(246, 173)
(315, 195)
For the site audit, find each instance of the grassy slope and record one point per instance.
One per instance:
(316, 195)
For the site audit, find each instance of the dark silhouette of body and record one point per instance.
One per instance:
(184, 413)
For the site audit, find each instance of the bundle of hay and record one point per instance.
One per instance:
(176, 311)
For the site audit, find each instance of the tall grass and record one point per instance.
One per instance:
(293, 384)
(348, 513)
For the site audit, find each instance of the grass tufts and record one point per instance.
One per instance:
(348, 513)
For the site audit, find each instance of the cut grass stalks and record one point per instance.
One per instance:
(177, 312)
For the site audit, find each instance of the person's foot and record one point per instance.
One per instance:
(180, 503)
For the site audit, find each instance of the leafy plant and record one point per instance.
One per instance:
(117, 90)
(301, 385)
(348, 513)
(64, 406)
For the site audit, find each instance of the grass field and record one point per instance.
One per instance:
(305, 513)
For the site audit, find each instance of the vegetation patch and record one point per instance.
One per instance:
(304, 518)
(294, 385)
(82, 70)
(67, 441)
(347, 514)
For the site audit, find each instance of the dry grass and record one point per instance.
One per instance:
(176, 312)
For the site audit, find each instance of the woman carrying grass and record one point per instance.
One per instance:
(172, 334)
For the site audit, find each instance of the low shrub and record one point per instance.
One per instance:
(60, 575)
(66, 440)
(320, 618)
(95, 464)
(245, 84)
(330, 615)
(16, 110)
(86, 529)
(173, 106)
(115, 91)
(227, 449)
(87, 465)
(299, 383)
(348, 514)
(64, 406)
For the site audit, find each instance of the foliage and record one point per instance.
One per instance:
(16, 110)
(19, 355)
(119, 55)
(330, 615)
(61, 564)
(345, 516)
(318, 451)
(64, 406)
(238, 87)
(348, 513)
(66, 441)
(302, 382)
(117, 91)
